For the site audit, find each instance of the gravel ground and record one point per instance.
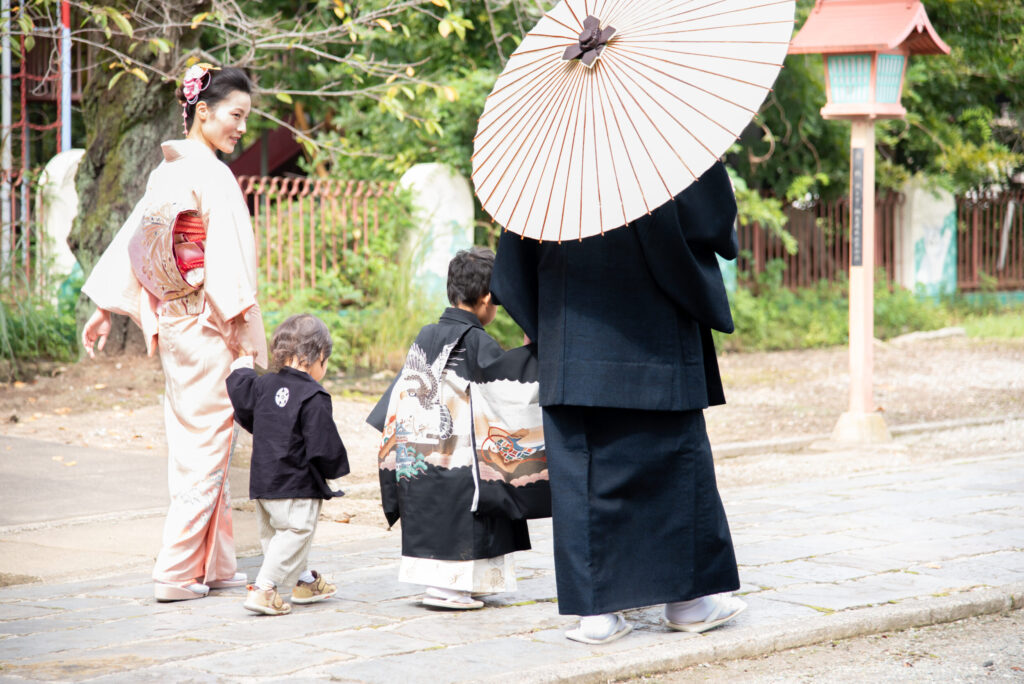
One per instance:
(114, 403)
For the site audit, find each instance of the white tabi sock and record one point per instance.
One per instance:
(683, 612)
(449, 594)
(599, 626)
(307, 576)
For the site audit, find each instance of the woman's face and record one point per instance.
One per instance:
(222, 126)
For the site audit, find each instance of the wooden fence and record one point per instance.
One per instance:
(306, 227)
(990, 240)
(822, 232)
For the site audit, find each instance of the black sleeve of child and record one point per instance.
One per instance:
(242, 392)
(379, 414)
(324, 448)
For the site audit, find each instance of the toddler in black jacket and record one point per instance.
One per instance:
(296, 447)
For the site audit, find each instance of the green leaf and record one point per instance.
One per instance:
(115, 79)
(122, 23)
(25, 23)
(161, 45)
(284, 97)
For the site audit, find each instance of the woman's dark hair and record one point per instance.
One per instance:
(469, 275)
(302, 337)
(217, 85)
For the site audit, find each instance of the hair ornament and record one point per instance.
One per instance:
(194, 83)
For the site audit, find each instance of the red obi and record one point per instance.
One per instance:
(166, 252)
(189, 239)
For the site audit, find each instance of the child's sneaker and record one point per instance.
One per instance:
(266, 601)
(311, 592)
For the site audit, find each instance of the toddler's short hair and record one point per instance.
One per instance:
(469, 275)
(302, 337)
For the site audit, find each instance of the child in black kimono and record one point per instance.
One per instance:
(461, 429)
(296, 447)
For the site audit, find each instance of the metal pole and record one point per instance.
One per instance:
(65, 76)
(861, 423)
(5, 153)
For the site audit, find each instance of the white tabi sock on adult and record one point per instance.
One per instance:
(695, 610)
(599, 626)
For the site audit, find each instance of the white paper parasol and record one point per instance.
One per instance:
(609, 108)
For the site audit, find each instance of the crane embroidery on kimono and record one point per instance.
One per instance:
(425, 381)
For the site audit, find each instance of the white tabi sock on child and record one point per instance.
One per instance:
(307, 576)
(449, 594)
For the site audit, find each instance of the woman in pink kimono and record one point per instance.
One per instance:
(183, 267)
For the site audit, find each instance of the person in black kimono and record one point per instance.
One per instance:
(295, 449)
(627, 363)
(432, 475)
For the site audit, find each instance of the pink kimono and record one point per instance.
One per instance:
(193, 329)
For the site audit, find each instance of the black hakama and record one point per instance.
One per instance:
(636, 513)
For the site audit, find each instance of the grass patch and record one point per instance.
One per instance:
(826, 611)
(1008, 325)
(33, 329)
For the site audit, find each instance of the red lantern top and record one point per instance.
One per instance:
(852, 26)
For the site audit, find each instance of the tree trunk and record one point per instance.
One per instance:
(124, 128)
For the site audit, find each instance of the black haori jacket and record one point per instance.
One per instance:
(295, 446)
(624, 319)
(462, 458)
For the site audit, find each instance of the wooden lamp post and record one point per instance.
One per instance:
(865, 45)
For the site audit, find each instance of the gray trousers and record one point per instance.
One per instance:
(286, 535)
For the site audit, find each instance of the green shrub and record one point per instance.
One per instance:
(505, 330)
(769, 316)
(34, 329)
(370, 304)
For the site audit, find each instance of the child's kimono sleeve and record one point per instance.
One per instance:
(386, 418)
(508, 432)
(324, 448)
(242, 392)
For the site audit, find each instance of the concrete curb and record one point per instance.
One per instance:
(734, 449)
(734, 644)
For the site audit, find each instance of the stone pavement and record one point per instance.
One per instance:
(820, 560)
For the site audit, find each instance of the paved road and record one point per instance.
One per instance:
(987, 648)
(825, 559)
(43, 481)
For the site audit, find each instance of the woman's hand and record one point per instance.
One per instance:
(96, 330)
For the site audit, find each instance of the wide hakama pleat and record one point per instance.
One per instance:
(198, 541)
(636, 513)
